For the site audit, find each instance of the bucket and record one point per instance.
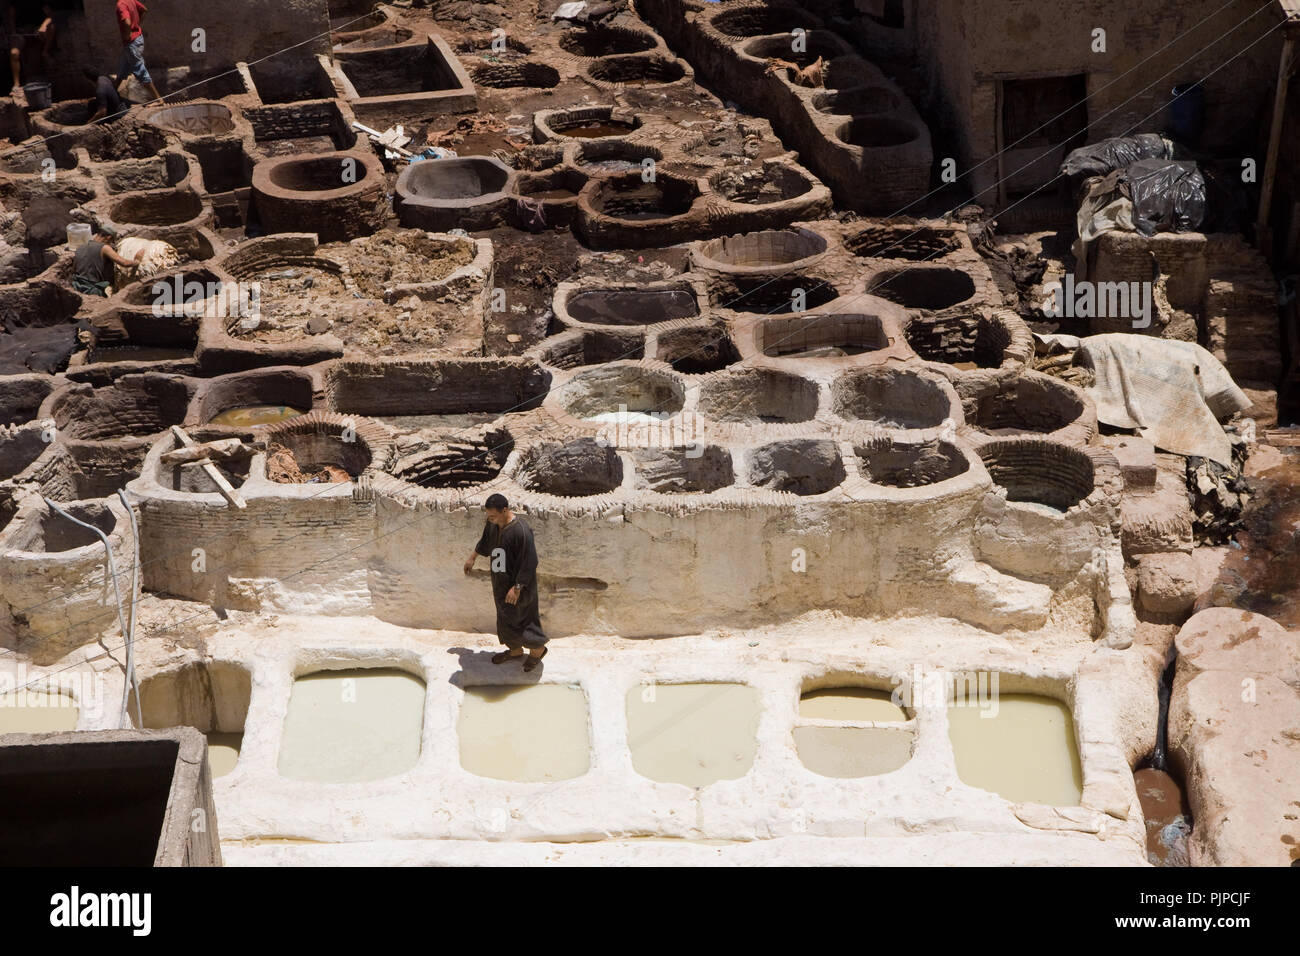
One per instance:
(78, 234)
(38, 95)
(1187, 113)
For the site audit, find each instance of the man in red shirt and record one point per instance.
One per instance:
(130, 13)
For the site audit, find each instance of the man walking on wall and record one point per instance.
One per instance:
(130, 15)
(507, 543)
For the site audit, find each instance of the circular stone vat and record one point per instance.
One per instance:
(922, 288)
(858, 101)
(762, 251)
(777, 296)
(529, 734)
(917, 243)
(909, 464)
(159, 292)
(338, 196)
(196, 481)
(68, 113)
(1046, 474)
(605, 41)
(58, 534)
(693, 734)
(759, 21)
(253, 398)
(1025, 750)
(311, 450)
(21, 397)
(456, 464)
(120, 141)
(504, 76)
(579, 347)
(817, 45)
(602, 157)
(876, 132)
(637, 69)
(554, 185)
(756, 395)
(132, 406)
(760, 187)
(891, 398)
(631, 306)
(164, 208)
(805, 466)
(848, 73)
(574, 470)
(351, 726)
(588, 122)
(674, 471)
(442, 194)
(605, 392)
(695, 350)
(629, 198)
(968, 341)
(195, 119)
(556, 190)
(1032, 402)
(834, 335)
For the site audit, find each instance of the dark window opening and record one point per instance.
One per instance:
(1045, 112)
(888, 13)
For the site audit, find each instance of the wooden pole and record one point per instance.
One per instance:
(1274, 143)
(228, 492)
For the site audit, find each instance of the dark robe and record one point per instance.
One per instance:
(519, 623)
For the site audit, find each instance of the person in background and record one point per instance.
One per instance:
(10, 21)
(130, 16)
(36, 45)
(507, 543)
(107, 104)
(92, 274)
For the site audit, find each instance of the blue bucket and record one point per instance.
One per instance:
(1187, 113)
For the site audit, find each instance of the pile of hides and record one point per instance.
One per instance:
(159, 256)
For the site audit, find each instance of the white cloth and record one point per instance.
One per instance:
(1173, 393)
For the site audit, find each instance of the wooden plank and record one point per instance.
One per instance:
(210, 470)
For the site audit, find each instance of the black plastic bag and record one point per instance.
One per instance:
(1168, 196)
(1104, 157)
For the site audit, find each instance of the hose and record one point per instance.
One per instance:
(121, 620)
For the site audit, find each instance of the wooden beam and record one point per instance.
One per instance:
(1284, 70)
(227, 491)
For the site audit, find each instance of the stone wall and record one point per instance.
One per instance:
(967, 48)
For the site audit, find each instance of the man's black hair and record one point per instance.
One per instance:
(496, 502)
(88, 73)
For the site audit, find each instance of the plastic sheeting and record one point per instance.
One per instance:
(1168, 196)
(1098, 159)
(1173, 393)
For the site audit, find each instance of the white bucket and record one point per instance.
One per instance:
(78, 234)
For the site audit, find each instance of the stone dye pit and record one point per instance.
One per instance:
(690, 288)
(351, 726)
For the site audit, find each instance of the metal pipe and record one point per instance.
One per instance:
(135, 589)
(121, 621)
